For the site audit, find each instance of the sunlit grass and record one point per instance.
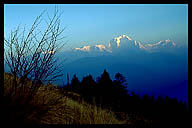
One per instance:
(50, 106)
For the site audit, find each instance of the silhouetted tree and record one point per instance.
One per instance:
(67, 79)
(88, 87)
(105, 79)
(120, 85)
(146, 104)
(134, 102)
(104, 87)
(75, 81)
(121, 79)
(75, 84)
(118, 91)
(88, 81)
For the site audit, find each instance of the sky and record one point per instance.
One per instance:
(90, 24)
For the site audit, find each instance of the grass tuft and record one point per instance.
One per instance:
(50, 106)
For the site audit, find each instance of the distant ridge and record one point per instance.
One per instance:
(124, 41)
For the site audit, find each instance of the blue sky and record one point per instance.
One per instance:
(98, 24)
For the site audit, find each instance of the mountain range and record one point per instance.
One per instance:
(125, 42)
(150, 67)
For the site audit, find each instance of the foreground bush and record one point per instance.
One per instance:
(49, 106)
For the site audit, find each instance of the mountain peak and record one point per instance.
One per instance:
(161, 45)
(119, 38)
(162, 42)
(100, 47)
(48, 52)
(124, 36)
(124, 42)
(85, 48)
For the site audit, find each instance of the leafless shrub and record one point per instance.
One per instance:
(31, 56)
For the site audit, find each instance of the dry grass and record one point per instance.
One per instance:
(52, 107)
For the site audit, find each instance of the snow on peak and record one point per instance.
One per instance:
(117, 39)
(124, 36)
(169, 41)
(128, 43)
(135, 42)
(162, 42)
(88, 48)
(141, 46)
(100, 46)
(85, 48)
(109, 46)
(48, 52)
(161, 45)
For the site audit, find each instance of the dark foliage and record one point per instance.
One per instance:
(114, 95)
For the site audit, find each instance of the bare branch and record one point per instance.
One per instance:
(32, 56)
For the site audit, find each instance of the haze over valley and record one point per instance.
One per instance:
(148, 68)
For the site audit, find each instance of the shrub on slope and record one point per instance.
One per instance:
(49, 106)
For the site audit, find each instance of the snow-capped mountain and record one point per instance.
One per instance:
(95, 48)
(84, 48)
(163, 45)
(144, 66)
(147, 66)
(125, 43)
(115, 43)
(48, 52)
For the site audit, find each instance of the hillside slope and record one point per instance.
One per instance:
(50, 106)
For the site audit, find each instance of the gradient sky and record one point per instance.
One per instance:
(99, 23)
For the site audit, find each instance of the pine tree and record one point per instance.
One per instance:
(75, 84)
(88, 86)
(105, 88)
(120, 84)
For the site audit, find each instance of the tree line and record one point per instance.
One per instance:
(114, 95)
